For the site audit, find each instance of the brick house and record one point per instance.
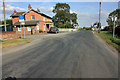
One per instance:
(34, 21)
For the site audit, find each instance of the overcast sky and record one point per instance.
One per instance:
(87, 12)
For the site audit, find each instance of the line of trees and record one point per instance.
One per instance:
(9, 26)
(117, 22)
(63, 18)
(8, 21)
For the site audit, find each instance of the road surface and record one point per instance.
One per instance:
(70, 55)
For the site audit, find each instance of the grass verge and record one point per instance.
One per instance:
(14, 42)
(107, 36)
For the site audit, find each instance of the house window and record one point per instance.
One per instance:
(47, 19)
(29, 28)
(19, 28)
(37, 27)
(43, 18)
(32, 17)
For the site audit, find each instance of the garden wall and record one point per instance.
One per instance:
(8, 35)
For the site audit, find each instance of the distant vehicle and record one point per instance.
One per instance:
(54, 30)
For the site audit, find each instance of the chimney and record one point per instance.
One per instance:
(38, 10)
(29, 7)
(15, 11)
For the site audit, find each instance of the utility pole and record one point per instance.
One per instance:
(99, 16)
(4, 15)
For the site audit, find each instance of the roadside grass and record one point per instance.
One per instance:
(14, 42)
(107, 36)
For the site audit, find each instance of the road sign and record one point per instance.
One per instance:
(21, 18)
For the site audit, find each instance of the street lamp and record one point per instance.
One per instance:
(114, 18)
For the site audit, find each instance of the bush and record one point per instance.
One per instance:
(68, 25)
(106, 29)
(40, 30)
(61, 26)
(115, 40)
(117, 31)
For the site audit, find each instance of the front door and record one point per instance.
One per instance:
(47, 25)
(44, 28)
(33, 30)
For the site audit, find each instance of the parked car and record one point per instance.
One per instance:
(54, 30)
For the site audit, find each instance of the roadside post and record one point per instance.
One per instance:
(24, 30)
(22, 23)
(114, 19)
(21, 30)
(113, 26)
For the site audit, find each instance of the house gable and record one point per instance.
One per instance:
(41, 14)
(30, 14)
(36, 15)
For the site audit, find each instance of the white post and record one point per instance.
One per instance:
(113, 26)
(21, 30)
(114, 19)
(24, 31)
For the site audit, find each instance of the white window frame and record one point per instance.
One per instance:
(43, 18)
(28, 28)
(37, 27)
(49, 19)
(32, 17)
(19, 28)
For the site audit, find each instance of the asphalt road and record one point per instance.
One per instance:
(72, 55)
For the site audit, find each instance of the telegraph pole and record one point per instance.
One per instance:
(99, 17)
(4, 15)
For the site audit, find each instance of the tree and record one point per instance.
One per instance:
(115, 13)
(111, 15)
(109, 21)
(74, 19)
(62, 17)
(61, 7)
(96, 24)
(8, 21)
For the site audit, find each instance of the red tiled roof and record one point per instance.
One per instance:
(22, 13)
(17, 14)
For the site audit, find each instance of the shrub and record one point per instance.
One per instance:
(40, 30)
(115, 40)
(117, 31)
(65, 25)
(106, 29)
(68, 25)
(61, 26)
